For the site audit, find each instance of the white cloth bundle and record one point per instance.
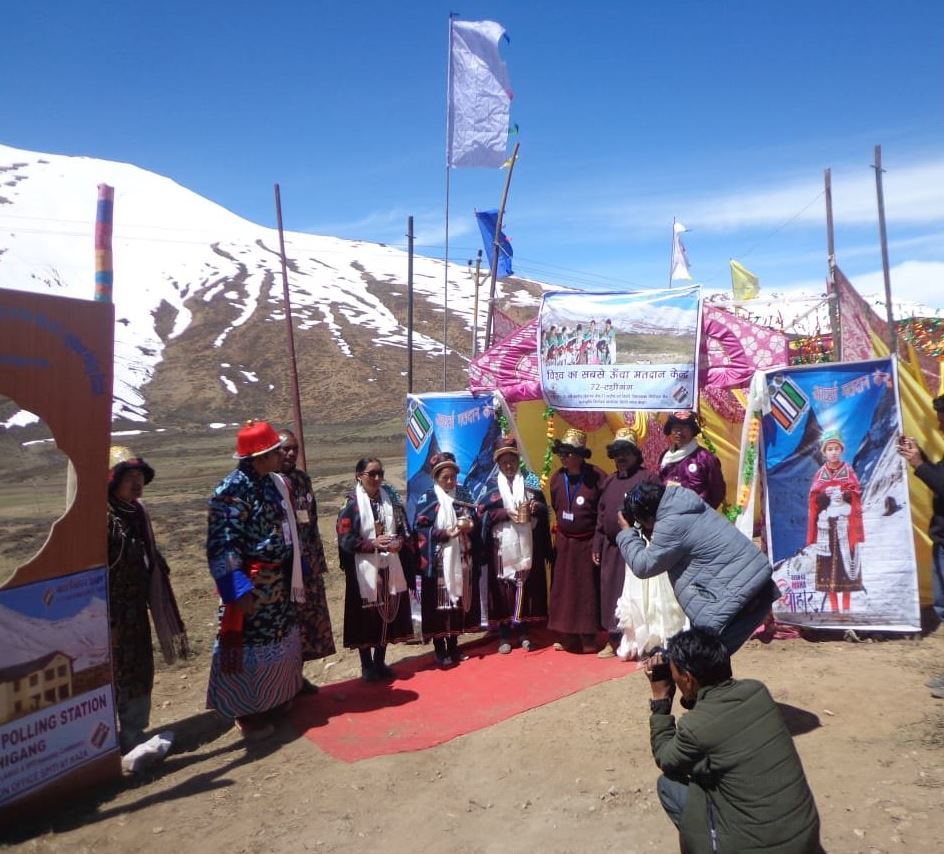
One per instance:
(452, 548)
(368, 564)
(515, 541)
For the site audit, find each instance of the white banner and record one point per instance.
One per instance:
(619, 351)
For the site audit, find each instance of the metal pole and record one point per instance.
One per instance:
(409, 305)
(290, 337)
(883, 239)
(475, 308)
(496, 247)
(835, 319)
(672, 252)
(445, 336)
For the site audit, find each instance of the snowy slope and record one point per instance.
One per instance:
(174, 249)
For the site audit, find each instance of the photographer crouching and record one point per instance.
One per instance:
(721, 580)
(731, 777)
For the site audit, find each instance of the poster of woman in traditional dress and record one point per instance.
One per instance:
(838, 519)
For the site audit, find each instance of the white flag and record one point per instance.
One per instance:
(479, 98)
(679, 255)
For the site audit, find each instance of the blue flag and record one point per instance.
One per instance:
(488, 221)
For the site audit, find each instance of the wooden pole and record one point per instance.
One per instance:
(883, 239)
(475, 309)
(290, 337)
(835, 319)
(409, 305)
(496, 247)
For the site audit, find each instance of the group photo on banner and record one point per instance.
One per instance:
(838, 515)
(619, 351)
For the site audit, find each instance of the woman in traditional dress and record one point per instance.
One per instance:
(256, 669)
(689, 464)
(517, 542)
(314, 621)
(374, 547)
(447, 546)
(575, 588)
(624, 451)
(138, 582)
(835, 528)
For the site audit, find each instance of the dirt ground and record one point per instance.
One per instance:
(575, 775)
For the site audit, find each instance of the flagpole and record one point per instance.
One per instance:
(445, 336)
(883, 239)
(672, 252)
(409, 305)
(835, 320)
(496, 248)
(290, 338)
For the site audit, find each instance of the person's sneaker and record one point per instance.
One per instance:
(938, 692)
(526, 644)
(607, 652)
(559, 647)
(936, 681)
(504, 648)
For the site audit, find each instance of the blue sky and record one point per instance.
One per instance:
(723, 114)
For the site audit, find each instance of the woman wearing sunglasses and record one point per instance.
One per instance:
(375, 554)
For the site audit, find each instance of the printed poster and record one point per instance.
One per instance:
(620, 351)
(838, 517)
(461, 423)
(56, 703)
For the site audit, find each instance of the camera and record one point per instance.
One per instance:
(628, 513)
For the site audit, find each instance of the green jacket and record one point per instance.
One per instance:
(739, 760)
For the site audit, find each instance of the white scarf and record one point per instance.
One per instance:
(368, 564)
(298, 585)
(452, 548)
(515, 542)
(685, 450)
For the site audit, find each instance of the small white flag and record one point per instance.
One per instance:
(679, 255)
(479, 97)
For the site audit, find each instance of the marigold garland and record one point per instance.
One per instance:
(747, 472)
(549, 413)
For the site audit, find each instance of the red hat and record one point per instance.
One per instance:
(256, 438)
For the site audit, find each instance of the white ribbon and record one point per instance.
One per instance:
(298, 585)
(452, 548)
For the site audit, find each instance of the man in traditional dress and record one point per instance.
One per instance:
(257, 658)
(835, 528)
(517, 542)
(624, 451)
(932, 474)
(688, 463)
(314, 621)
(575, 587)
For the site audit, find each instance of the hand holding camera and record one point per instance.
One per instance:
(660, 675)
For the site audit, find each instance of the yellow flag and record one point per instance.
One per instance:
(743, 282)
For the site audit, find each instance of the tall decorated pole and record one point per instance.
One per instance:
(496, 248)
(104, 216)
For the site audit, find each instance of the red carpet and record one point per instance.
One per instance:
(425, 706)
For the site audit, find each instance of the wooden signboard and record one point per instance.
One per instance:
(57, 720)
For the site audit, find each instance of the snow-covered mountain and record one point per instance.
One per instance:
(198, 297)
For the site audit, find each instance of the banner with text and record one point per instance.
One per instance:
(56, 704)
(461, 423)
(620, 351)
(838, 518)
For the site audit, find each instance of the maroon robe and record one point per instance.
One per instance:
(612, 564)
(575, 585)
(700, 471)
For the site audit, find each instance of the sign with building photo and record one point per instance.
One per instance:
(56, 702)
(839, 522)
(620, 351)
